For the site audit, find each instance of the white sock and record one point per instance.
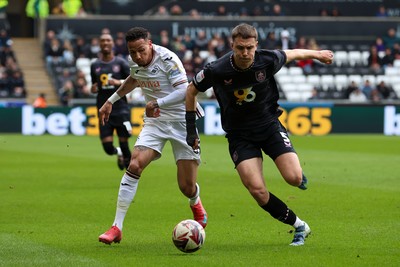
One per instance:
(194, 200)
(127, 191)
(298, 222)
(119, 151)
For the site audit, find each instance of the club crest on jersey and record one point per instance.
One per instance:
(116, 68)
(260, 75)
(155, 70)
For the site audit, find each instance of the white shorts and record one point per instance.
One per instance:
(156, 133)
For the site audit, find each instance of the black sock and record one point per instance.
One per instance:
(126, 152)
(279, 210)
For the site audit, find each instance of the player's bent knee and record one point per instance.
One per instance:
(109, 148)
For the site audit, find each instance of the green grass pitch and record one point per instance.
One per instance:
(58, 194)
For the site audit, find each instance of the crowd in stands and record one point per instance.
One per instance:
(72, 82)
(12, 83)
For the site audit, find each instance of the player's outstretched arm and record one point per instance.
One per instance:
(324, 56)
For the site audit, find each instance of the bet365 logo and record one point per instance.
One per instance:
(391, 121)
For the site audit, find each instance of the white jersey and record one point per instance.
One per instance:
(159, 79)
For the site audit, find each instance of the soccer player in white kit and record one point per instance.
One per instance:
(162, 78)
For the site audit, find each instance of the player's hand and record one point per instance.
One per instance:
(192, 137)
(326, 56)
(93, 88)
(152, 109)
(105, 112)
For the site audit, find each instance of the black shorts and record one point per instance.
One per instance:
(116, 122)
(273, 140)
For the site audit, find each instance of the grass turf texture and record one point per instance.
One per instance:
(58, 194)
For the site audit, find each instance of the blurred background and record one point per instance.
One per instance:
(47, 47)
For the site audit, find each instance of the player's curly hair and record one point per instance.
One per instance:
(137, 33)
(245, 31)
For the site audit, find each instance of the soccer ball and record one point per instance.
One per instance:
(188, 236)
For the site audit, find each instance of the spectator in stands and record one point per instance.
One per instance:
(201, 42)
(68, 53)
(388, 58)
(62, 77)
(37, 9)
(221, 11)
(188, 42)
(367, 89)
(271, 42)
(40, 101)
(120, 48)
(176, 10)
(375, 96)
(5, 91)
(324, 12)
(16, 80)
(6, 50)
(357, 96)
(386, 91)
(390, 39)
(277, 10)
(81, 88)
(351, 88)
(73, 8)
(379, 44)
(257, 11)
(81, 48)
(94, 48)
(19, 92)
(285, 42)
(335, 12)
(164, 39)
(382, 12)
(396, 51)
(314, 94)
(194, 14)
(374, 60)
(301, 43)
(66, 92)
(162, 12)
(54, 56)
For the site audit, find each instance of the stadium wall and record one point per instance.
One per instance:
(314, 118)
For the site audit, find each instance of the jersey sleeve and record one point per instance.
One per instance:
(280, 60)
(203, 79)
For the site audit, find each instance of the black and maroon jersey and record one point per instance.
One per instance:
(248, 98)
(101, 72)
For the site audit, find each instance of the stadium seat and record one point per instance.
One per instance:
(293, 96)
(327, 81)
(396, 63)
(380, 78)
(394, 80)
(315, 80)
(355, 78)
(392, 71)
(341, 81)
(355, 58)
(82, 63)
(295, 71)
(282, 79)
(288, 87)
(370, 78)
(341, 58)
(299, 79)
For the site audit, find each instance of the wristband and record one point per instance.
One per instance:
(114, 98)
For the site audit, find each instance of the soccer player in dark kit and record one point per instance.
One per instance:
(108, 72)
(244, 85)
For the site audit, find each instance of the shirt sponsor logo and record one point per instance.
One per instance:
(175, 71)
(200, 76)
(150, 84)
